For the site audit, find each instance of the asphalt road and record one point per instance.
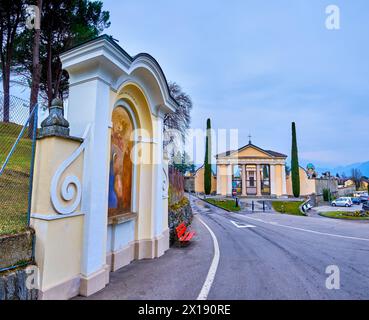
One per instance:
(261, 256)
(285, 257)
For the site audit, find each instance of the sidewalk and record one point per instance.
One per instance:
(178, 275)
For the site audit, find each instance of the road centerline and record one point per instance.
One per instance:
(213, 267)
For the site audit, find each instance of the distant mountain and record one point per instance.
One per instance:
(363, 167)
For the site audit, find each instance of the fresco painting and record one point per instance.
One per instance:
(120, 177)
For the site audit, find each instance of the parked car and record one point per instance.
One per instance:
(358, 194)
(364, 198)
(356, 201)
(366, 206)
(342, 202)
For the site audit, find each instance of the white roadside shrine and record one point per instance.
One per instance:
(94, 211)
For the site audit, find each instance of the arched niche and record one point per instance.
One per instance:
(132, 114)
(121, 172)
(133, 94)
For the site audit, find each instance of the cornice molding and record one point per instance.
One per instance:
(102, 58)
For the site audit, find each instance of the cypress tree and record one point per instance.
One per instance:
(207, 165)
(295, 164)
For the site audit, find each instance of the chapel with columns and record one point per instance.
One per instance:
(251, 172)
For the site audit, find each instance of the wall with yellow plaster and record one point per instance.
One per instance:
(278, 180)
(199, 181)
(59, 261)
(307, 186)
(51, 152)
(252, 152)
(222, 179)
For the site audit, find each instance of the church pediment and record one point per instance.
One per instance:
(251, 152)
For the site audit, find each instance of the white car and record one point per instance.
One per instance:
(342, 202)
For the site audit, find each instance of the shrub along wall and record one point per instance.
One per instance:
(179, 206)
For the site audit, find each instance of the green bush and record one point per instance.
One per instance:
(184, 202)
(327, 195)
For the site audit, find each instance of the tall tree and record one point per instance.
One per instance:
(69, 22)
(11, 20)
(207, 173)
(182, 162)
(36, 65)
(295, 168)
(65, 23)
(356, 177)
(180, 120)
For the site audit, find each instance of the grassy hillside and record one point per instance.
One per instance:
(14, 183)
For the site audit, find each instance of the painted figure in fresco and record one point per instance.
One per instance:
(120, 182)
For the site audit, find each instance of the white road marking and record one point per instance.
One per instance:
(241, 226)
(213, 268)
(308, 230)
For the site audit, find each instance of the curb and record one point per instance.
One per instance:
(214, 205)
(352, 220)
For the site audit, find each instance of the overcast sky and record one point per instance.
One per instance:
(258, 65)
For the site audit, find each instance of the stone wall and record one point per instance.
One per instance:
(342, 192)
(177, 216)
(13, 286)
(322, 184)
(15, 249)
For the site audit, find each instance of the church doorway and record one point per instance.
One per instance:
(251, 187)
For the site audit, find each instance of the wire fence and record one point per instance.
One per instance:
(18, 126)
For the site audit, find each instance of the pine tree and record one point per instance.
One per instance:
(64, 24)
(207, 174)
(12, 19)
(295, 164)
